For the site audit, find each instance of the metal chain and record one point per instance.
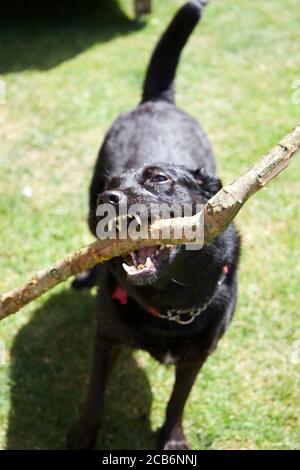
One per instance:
(175, 315)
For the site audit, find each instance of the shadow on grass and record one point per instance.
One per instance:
(41, 35)
(50, 368)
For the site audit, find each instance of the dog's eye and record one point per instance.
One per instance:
(158, 178)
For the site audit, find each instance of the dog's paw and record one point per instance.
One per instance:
(84, 280)
(176, 445)
(81, 437)
(174, 440)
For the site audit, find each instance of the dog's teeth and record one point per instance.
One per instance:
(129, 269)
(126, 267)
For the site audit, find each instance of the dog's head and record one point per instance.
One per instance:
(150, 187)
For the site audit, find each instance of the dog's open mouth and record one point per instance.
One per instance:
(146, 260)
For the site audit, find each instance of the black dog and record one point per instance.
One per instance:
(171, 302)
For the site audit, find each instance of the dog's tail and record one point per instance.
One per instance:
(159, 81)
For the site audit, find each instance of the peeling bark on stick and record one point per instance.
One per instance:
(219, 212)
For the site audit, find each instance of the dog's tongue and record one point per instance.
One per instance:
(143, 253)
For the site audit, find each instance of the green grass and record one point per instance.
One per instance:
(65, 84)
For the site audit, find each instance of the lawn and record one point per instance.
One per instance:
(65, 83)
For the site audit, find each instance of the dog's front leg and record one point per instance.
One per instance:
(171, 436)
(83, 434)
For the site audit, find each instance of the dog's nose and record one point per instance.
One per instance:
(111, 197)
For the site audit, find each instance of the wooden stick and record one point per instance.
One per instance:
(218, 213)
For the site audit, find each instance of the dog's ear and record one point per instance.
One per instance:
(210, 183)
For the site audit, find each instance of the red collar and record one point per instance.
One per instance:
(120, 294)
